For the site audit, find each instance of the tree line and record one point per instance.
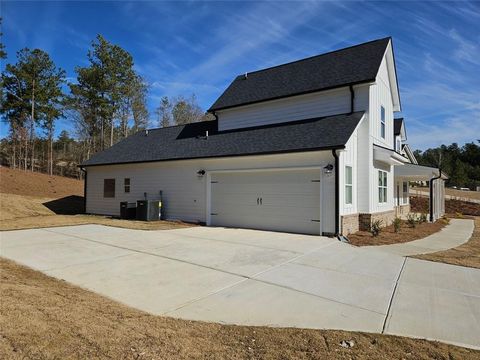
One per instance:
(461, 164)
(106, 102)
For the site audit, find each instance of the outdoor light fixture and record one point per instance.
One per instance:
(328, 169)
(200, 173)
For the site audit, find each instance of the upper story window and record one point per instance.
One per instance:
(126, 183)
(108, 188)
(398, 147)
(348, 185)
(382, 122)
(382, 186)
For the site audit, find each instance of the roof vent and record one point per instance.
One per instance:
(146, 132)
(245, 76)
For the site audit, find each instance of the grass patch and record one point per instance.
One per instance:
(467, 254)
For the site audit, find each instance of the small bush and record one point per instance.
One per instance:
(459, 215)
(445, 219)
(397, 223)
(376, 227)
(412, 220)
(423, 218)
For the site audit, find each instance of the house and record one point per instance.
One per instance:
(309, 146)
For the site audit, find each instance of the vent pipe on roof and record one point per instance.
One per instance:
(245, 76)
(146, 132)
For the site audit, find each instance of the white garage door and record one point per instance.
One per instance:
(270, 200)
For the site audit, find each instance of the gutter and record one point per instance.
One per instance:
(431, 192)
(337, 193)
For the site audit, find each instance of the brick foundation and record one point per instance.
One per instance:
(350, 224)
(366, 220)
(403, 210)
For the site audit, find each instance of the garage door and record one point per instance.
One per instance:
(271, 200)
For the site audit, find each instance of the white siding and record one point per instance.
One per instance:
(288, 109)
(380, 95)
(348, 157)
(185, 193)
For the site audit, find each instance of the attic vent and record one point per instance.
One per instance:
(245, 76)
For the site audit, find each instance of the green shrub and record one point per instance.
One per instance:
(412, 220)
(397, 224)
(445, 219)
(423, 218)
(376, 227)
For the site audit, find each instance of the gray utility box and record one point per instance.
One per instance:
(148, 210)
(128, 210)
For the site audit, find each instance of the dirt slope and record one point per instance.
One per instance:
(27, 183)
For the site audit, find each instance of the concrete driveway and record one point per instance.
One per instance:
(259, 278)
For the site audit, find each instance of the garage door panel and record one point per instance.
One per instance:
(290, 200)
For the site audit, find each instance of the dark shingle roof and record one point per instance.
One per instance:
(186, 142)
(352, 65)
(397, 126)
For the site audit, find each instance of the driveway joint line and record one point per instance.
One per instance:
(393, 295)
(161, 256)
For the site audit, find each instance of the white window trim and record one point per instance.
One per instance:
(350, 185)
(383, 122)
(383, 186)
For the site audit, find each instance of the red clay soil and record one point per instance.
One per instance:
(420, 204)
(388, 236)
(29, 183)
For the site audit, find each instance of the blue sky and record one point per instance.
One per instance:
(199, 47)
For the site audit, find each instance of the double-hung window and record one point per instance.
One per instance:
(382, 186)
(348, 185)
(126, 185)
(382, 122)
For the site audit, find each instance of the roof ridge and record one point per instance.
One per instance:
(315, 56)
(176, 125)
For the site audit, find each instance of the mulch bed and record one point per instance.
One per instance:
(420, 204)
(388, 236)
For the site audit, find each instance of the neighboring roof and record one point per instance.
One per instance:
(397, 126)
(189, 142)
(352, 65)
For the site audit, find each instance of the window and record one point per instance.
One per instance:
(348, 185)
(399, 145)
(405, 193)
(382, 186)
(382, 122)
(108, 188)
(126, 184)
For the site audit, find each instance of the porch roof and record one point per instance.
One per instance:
(417, 172)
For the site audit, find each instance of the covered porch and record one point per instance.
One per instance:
(406, 173)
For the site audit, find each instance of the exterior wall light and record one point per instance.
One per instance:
(328, 169)
(200, 173)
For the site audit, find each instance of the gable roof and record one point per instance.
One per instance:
(349, 66)
(189, 141)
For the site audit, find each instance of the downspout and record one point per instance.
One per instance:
(352, 98)
(431, 192)
(337, 193)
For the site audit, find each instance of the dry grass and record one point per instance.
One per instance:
(39, 185)
(33, 200)
(461, 194)
(45, 318)
(467, 254)
(388, 236)
(26, 212)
